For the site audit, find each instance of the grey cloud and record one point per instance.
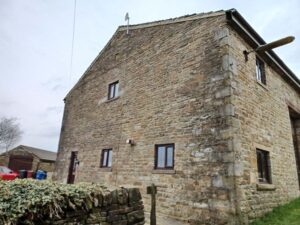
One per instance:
(6, 103)
(56, 109)
(58, 87)
(49, 113)
(52, 81)
(52, 132)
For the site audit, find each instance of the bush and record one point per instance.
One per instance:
(27, 200)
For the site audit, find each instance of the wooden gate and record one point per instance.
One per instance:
(20, 162)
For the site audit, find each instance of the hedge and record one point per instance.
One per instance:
(23, 201)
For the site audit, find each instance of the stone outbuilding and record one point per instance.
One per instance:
(28, 158)
(187, 104)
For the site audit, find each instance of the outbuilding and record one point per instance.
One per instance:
(28, 158)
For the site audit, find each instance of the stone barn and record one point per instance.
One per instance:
(180, 103)
(28, 158)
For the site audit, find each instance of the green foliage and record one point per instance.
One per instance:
(288, 214)
(30, 200)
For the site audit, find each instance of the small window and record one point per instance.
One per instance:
(113, 90)
(260, 71)
(164, 156)
(263, 166)
(106, 158)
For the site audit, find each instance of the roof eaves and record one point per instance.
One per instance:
(174, 20)
(236, 21)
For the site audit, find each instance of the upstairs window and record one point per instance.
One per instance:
(260, 71)
(164, 156)
(113, 90)
(263, 166)
(106, 158)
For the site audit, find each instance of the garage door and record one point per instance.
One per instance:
(20, 162)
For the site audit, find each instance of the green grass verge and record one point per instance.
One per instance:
(288, 214)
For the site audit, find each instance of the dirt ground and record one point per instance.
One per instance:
(160, 220)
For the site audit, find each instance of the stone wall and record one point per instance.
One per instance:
(185, 83)
(173, 89)
(262, 120)
(4, 160)
(46, 166)
(120, 207)
(25, 201)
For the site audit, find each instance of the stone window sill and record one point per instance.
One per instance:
(265, 187)
(105, 169)
(112, 99)
(154, 171)
(262, 85)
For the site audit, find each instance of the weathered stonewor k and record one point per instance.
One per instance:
(175, 103)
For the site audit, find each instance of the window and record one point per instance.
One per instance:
(164, 156)
(263, 166)
(113, 90)
(106, 158)
(260, 71)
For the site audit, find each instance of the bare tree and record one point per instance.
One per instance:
(10, 132)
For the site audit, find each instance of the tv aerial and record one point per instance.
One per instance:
(127, 19)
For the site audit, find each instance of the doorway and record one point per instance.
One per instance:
(295, 124)
(72, 168)
(20, 162)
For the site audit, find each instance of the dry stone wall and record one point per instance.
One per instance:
(120, 207)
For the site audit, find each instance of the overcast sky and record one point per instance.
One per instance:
(36, 37)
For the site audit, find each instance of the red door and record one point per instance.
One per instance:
(72, 168)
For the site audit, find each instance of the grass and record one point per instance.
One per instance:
(288, 214)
